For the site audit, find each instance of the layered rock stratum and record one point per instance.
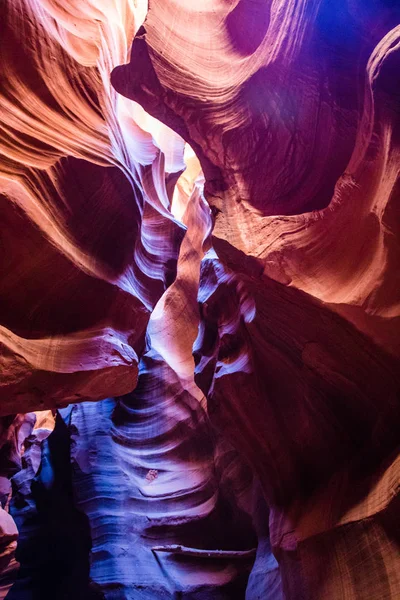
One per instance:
(199, 299)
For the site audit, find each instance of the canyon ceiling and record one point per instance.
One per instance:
(200, 299)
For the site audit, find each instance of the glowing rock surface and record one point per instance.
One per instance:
(201, 232)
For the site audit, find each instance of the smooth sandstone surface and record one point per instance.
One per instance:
(199, 297)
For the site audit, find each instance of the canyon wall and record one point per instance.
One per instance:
(200, 283)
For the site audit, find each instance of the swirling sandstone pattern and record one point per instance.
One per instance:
(205, 238)
(88, 241)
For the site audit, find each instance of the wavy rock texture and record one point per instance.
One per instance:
(317, 404)
(16, 435)
(54, 537)
(208, 236)
(88, 241)
(312, 99)
(144, 475)
(297, 120)
(13, 431)
(148, 470)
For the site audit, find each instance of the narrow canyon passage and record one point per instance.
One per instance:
(199, 300)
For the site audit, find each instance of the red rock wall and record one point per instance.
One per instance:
(201, 224)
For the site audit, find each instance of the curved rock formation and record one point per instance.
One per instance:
(144, 475)
(313, 104)
(14, 429)
(99, 244)
(313, 405)
(54, 537)
(309, 400)
(205, 238)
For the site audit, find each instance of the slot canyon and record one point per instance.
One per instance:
(200, 299)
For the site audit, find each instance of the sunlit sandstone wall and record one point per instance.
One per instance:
(292, 109)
